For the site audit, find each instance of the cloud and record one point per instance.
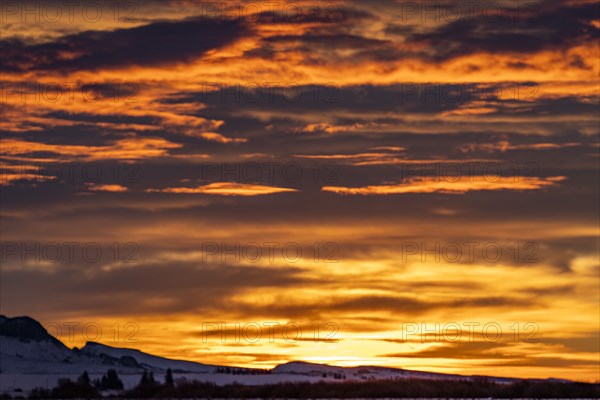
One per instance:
(106, 188)
(123, 149)
(175, 287)
(390, 156)
(217, 137)
(464, 349)
(11, 173)
(227, 189)
(550, 25)
(503, 145)
(155, 44)
(461, 185)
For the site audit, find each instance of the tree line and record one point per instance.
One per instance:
(149, 387)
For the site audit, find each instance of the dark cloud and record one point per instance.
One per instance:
(154, 44)
(553, 25)
(326, 14)
(321, 47)
(460, 350)
(498, 353)
(521, 30)
(589, 343)
(394, 306)
(504, 98)
(140, 289)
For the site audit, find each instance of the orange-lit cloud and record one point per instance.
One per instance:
(10, 173)
(444, 185)
(393, 157)
(122, 149)
(227, 189)
(217, 137)
(505, 145)
(106, 188)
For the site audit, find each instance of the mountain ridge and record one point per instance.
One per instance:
(26, 328)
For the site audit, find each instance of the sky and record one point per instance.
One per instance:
(396, 183)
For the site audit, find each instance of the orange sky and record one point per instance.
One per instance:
(316, 163)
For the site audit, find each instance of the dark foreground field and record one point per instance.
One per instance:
(325, 390)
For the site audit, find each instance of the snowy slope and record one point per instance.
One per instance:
(367, 373)
(26, 347)
(31, 356)
(34, 350)
(145, 360)
(42, 357)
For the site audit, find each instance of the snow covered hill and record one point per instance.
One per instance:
(145, 360)
(362, 373)
(27, 348)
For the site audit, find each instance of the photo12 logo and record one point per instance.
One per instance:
(452, 332)
(26, 92)
(269, 93)
(470, 252)
(92, 175)
(55, 12)
(271, 12)
(75, 332)
(270, 331)
(69, 252)
(268, 172)
(270, 252)
(432, 11)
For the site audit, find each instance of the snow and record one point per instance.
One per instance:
(35, 350)
(358, 373)
(147, 360)
(27, 382)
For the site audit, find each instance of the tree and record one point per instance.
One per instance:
(111, 381)
(144, 379)
(73, 390)
(148, 379)
(84, 379)
(169, 378)
(147, 387)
